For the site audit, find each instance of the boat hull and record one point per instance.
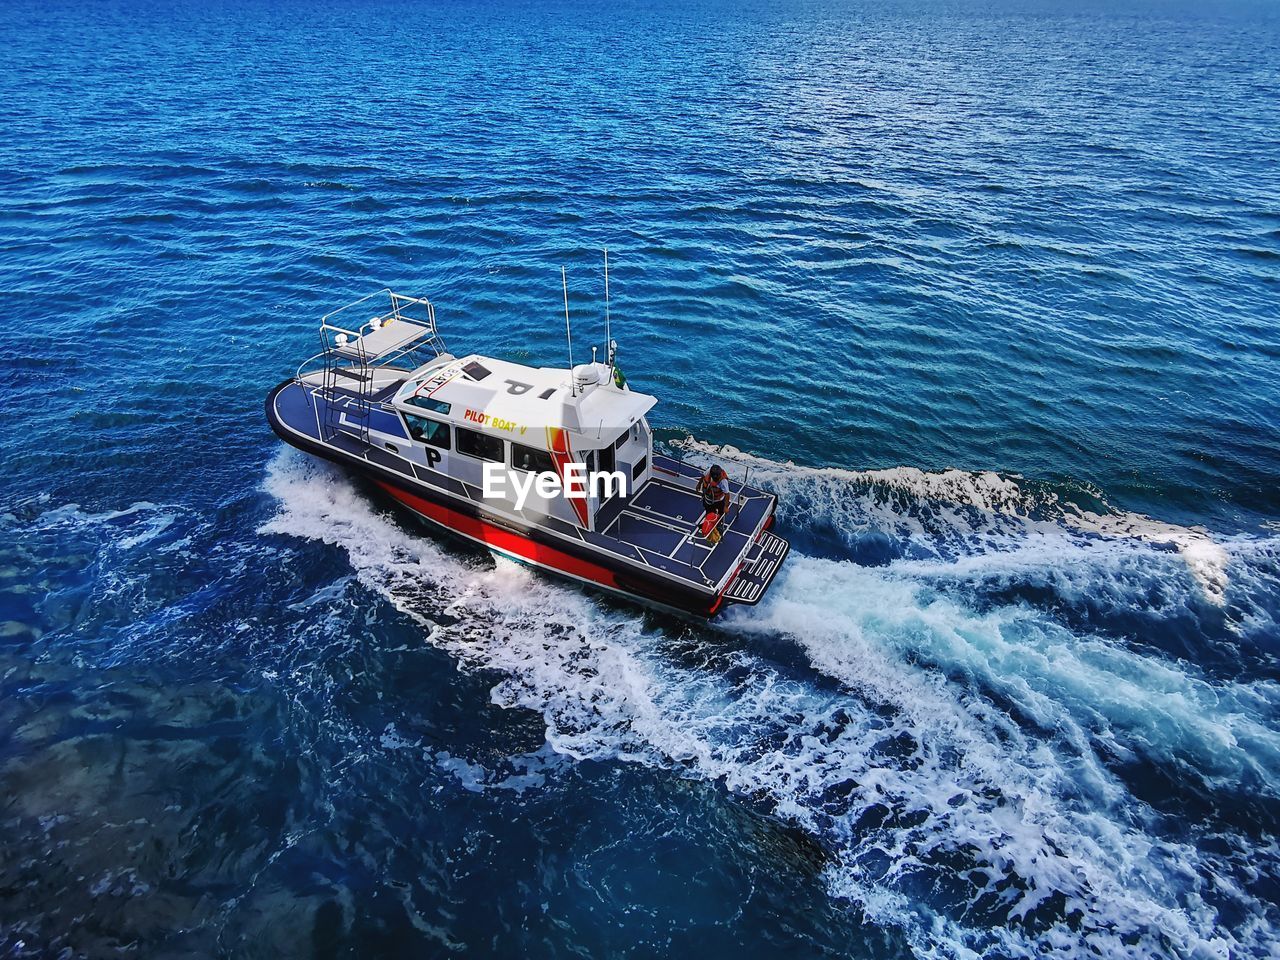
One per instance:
(505, 536)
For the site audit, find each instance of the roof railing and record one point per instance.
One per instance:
(351, 350)
(377, 339)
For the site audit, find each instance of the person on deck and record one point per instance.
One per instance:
(714, 487)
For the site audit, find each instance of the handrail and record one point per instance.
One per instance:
(723, 583)
(345, 349)
(397, 302)
(298, 375)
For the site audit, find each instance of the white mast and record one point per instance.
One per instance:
(568, 334)
(608, 340)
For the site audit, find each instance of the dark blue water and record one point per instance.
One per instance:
(987, 292)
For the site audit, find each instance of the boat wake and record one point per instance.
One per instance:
(983, 729)
(956, 515)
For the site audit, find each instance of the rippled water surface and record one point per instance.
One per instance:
(987, 292)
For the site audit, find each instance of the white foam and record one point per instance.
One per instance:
(969, 512)
(1064, 821)
(147, 521)
(73, 514)
(1024, 820)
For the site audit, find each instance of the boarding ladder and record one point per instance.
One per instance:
(352, 352)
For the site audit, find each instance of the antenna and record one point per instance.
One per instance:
(568, 334)
(608, 341)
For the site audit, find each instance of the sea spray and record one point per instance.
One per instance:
(955, 513)
(961, 793)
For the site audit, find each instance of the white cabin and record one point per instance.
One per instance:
(463, 411)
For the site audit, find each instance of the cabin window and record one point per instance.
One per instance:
(426, 403)
(638, 470)
(480, 445)
(528, 458)
(432, 432)
(617, 444)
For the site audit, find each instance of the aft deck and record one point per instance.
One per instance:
(664, 518)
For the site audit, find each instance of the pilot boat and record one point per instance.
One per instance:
(385, 399)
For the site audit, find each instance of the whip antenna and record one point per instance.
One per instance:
(568, 334)
(608, 340)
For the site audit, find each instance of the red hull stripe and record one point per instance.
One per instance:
(513, 543)
(562, 456)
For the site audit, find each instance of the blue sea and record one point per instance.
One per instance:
(987, 291)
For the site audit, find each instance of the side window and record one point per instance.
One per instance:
(480, 445)
(639, 468)
(617, 444)
(527, 458)
(428, 431)
(426, 403)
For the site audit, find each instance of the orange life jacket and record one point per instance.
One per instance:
(711, 493)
